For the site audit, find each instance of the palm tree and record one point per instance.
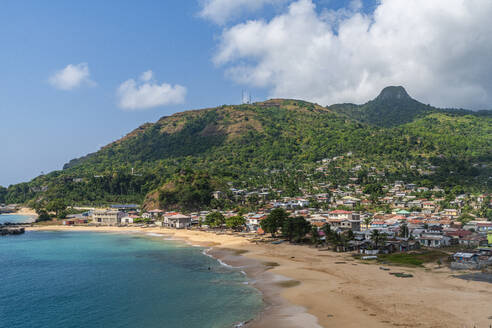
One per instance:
(376, 237)
(315, 239)
(404, 230)
(367, 221)
(326, 228)
(383, 237)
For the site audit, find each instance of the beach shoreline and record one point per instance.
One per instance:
(306, 287)
(24, 211)
(278, 312)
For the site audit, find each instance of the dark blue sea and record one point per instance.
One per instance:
(83, 279)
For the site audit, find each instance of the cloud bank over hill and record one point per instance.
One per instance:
(439, 50)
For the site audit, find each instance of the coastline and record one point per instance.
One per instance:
(305, 287)
(25, 211)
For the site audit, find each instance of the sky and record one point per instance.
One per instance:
(76, 75)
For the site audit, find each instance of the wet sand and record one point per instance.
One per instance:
(306, 287)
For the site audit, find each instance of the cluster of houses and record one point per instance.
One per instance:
(120, 215)
(428, 231)
(415, 216)
(397, 196)
(430, 218)
(402, 230)
(478, 259)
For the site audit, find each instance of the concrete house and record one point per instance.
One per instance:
(353, 225)
(474, 240)
(343, 215)
(178, 221)
(433, 240)
(126, 220)
(107, 217)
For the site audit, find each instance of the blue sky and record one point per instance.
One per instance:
(44, 125)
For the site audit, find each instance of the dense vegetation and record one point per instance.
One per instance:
(394, 107)
(187, 190)
(275, 144)
(3, 193)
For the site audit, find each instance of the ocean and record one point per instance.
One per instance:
(15, 218)
(89, 279)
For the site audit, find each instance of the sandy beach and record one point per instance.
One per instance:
(306, 287)
(26, 211)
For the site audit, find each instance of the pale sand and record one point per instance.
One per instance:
(26, 211)
(350, 294)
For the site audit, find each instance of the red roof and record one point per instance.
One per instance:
(340, 212)
(172, 213)
(377, 222)
(459, 233)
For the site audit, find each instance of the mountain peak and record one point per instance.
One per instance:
(393, 93)
(392, 107)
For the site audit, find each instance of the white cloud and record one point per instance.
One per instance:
(221, 11)
(72, 76)
(147, 93)
(147, 76)
(439, 50)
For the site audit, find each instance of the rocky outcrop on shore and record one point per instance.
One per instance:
(4, 230)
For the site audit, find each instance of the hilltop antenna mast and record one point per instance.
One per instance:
(246, 97)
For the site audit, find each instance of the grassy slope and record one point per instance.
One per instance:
(240, 142)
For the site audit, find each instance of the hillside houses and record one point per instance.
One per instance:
(431, 219)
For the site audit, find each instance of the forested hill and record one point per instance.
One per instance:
(277, 144)
(394, 107)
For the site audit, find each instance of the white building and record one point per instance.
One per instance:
(178, 221)
(107, 217)
(343, 215)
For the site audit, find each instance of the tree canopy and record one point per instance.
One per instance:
(236, 222)
(274, 221)
(296, 228)
(214, 219)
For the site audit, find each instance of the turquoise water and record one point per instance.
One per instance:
(81, 279)
(14, 218)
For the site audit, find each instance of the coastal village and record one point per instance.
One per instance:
(416, 236)
(246, 164)
(410, 221)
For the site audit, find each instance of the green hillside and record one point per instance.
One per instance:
(277, 144)
(394, 107)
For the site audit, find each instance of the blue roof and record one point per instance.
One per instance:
(125, 206)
